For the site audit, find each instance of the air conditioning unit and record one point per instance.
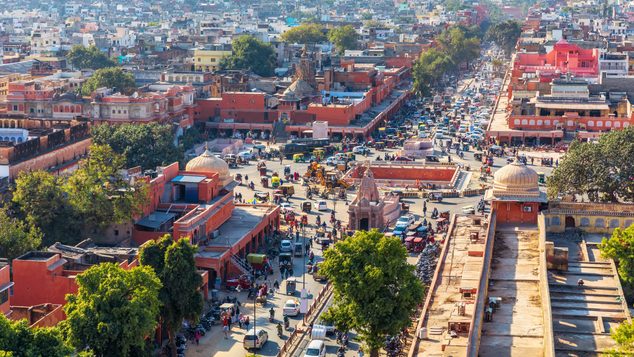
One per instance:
(215, 234)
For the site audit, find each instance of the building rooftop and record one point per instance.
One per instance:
(37, 256)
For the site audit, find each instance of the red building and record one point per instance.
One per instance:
(197, 203)
(515, 196)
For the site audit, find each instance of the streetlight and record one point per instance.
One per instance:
(303, 304)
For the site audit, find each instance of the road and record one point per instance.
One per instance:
(213, 343)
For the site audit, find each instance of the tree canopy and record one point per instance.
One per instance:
(110, 77)
(620, 247)
(429, 70)
(175, 266)
(307, 33)
(344, 38)
(114, 310)
(19, 340)
(505, 35)
(597, 170)
(81, 57)
(375, 289)
(623, 335)
(16, 236)
(100, 194)
(460, 44)
(251, 54)
(39, 198)
(148, 146)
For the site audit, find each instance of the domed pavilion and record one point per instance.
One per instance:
(207, 163)
(515, 195)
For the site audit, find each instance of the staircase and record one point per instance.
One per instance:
(279, 132)
(242, 265)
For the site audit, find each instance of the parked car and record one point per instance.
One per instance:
(322, 205)
(362, 150)
(291, 308)
(407, 219)
(246, 155)
(255, 339)
(316, 348)
(286, 246)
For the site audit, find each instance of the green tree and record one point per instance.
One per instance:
(18, 339)
(597, 170)
(147, 146)
(251, 54)
(505, 34)
(175, 266)
(623, 335)
(375, 289)
(344, 38)
(16, 236)
(114, 310)
(307, 33)
(620, 247)
(458, 45)
(429, 69)
(100, 194)
(110, 77)
(39, 199)
(81, 57)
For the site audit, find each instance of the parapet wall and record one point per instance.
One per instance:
(600, 218)
(402, 175)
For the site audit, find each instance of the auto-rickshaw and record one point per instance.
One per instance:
(261, 196)
(231, 161)
(319, 153)
(287, 189)
(291, 286)
(258, 261)
(287, 170)
(298, 158)
(307, 207)
(298, 249)
(275, 181)
(542, 177)
(418, 244)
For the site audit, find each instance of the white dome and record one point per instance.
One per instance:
(208, 163)
(516, 179)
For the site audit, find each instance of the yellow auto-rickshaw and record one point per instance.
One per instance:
(262, 197)
(319, 154)
(287, 189)
(298, 158)
(275, 181)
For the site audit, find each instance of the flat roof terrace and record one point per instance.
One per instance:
(244, 219)
(517, 326)
(583, 316)
(460, 266)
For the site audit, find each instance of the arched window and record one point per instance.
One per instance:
(590, 123)
(570, 123)
(614, 223)
(524, 122)
(540, 122)
(585, 222)
(547, 122)
(626, 124)
(516, 122)
(617, 124)
(608, 123)
(599, 124)
(628, 223)
(599, 223)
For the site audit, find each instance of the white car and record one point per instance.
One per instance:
(331, 161)
(468, 210)
(316, 348)
(291, 308)
(286, 246)
(286, 205)
(255, 340)
(322, 205)
(246, 155)
(407, 219)
(360, 150)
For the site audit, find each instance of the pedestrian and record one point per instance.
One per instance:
(246, 322)
(238, 310)
(225, 330)
(240, 322)
(276, 284)
(197, 337)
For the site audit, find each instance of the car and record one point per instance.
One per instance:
(255, 339)
(322, 205)
(291, 308)
(399, 230)
(468, 210)
(246, 155)
(408, 219)
(331, 161)
(360, 150)
(286, 246)
(286, 205)
(316, 348)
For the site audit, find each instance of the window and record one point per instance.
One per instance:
(116, 232)
(198, 59)
(614, 223)
(599, 223)
(547, 122)
(540, 122)
(585, 222)
(516, 122)
(114, 111)
(590, 123)
(31, 110)
(527, 209)
(608, 123)
(531, 122)
(599, 123)
(4, 296)
(15, 108)
(524, 122)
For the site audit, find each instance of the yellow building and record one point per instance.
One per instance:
(207, 59)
